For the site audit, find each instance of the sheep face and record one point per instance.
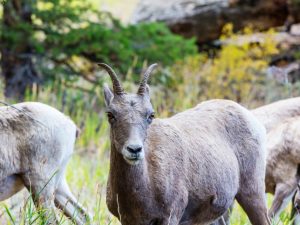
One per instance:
(129, 116)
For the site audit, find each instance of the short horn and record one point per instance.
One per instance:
(117, 88)
(144, 81)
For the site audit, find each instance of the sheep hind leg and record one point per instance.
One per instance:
(42, 192)
(255, 207)
(65, 200)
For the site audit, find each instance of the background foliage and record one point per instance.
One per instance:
(68, 37)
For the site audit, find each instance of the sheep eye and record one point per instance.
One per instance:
(110, 117)
(151, 117)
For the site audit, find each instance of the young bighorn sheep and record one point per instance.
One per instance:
(282, 122)
(275, 113)
(283, 161)
(187, 169)
(36, 143)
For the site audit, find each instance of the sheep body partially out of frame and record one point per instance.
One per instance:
(37, 141)
(186, 169)
(275, 113)
(282, 122)
(283, 161)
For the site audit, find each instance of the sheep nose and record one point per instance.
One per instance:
(134, 148)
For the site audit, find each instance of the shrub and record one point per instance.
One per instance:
(237, 72)
(67, 38)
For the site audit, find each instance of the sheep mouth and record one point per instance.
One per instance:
(133, 159)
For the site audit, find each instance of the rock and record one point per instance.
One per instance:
(204, 19)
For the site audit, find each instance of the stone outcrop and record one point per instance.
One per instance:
(204, 19)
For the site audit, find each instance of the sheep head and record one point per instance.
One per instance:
(129, 116)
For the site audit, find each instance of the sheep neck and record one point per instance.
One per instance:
(128, 179)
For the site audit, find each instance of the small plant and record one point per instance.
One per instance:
(236, 72)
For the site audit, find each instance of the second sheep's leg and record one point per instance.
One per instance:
(283, 195)
(65, 200)
(43, 197)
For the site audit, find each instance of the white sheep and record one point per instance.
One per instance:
(37, 141)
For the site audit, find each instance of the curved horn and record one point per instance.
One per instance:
(117, 88)
(144, 81)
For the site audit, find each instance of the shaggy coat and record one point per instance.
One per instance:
(36, 143)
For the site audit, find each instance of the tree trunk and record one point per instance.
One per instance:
(16, 51)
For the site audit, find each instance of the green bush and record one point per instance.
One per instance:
(124, 46)
(69, 37)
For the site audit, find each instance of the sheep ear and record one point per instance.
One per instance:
(298, 186)
(147, 90)
(108, 95)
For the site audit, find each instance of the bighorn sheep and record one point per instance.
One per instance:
(275, 113)
(36, 143)
(282, 122)
(283, 162)
(187, 169)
